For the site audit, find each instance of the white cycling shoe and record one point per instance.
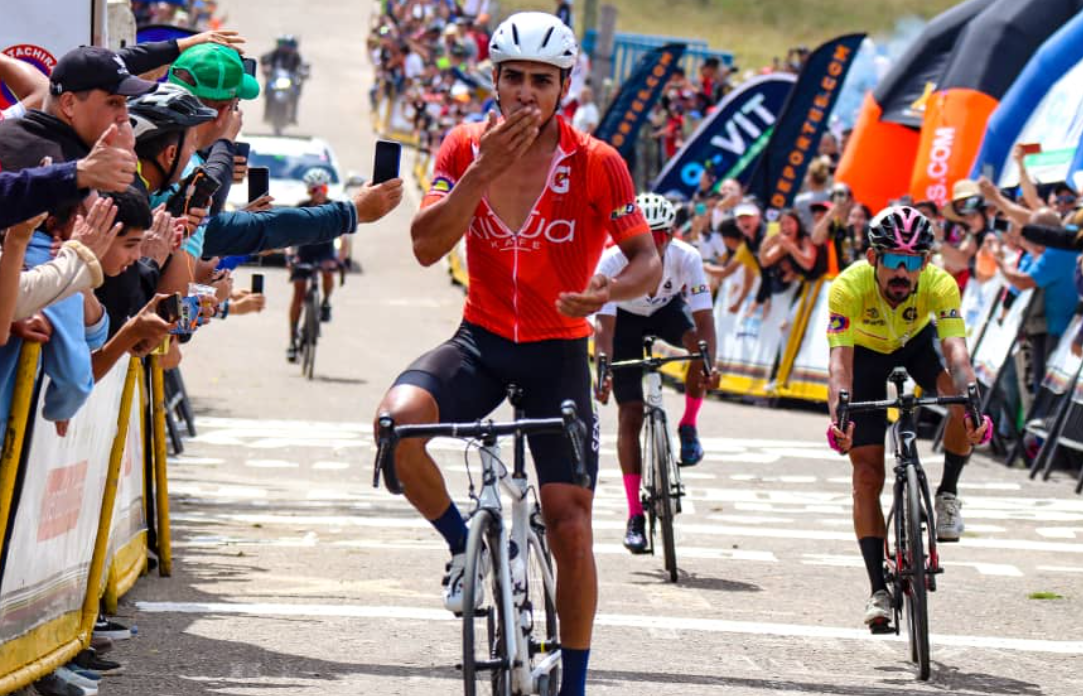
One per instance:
(949, 518)
(878, 608)
(453, 583)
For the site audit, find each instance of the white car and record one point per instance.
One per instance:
(288, 158)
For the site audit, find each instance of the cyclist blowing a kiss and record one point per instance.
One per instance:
(880, 312)
(536, 200)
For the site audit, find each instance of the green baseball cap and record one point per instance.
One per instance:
(213, 71)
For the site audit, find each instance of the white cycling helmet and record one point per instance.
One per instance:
(317, 176)
(535, 36)
(660, 213)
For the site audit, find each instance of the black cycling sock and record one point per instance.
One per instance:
(872, 550)
(953, 467)
(452, 527)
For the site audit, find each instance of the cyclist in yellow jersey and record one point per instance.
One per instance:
(881, 317)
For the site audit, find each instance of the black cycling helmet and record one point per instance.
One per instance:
(169, 108)
(901, 228)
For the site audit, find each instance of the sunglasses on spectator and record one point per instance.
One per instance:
(1066, 199)
(908, 261)
(966, 206)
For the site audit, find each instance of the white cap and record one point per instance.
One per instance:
(746, 208)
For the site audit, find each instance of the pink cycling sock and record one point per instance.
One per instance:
(631, 489)
(691, 410)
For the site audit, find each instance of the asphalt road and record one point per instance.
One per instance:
(294, 576)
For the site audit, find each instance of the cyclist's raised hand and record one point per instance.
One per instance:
(583, 304)
(504, 142)
(840, 441)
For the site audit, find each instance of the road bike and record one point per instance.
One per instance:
(661, 489)
(310, 317)
(517, 646)
(912, 562)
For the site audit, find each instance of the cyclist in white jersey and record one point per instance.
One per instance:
(679, 312)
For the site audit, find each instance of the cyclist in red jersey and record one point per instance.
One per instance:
(537, 201)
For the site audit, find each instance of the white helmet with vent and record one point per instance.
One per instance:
(534, 36)
(659, 212)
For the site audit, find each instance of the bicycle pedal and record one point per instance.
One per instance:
(880, 628)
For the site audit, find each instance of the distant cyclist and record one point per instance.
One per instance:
(680, 312)
(321, 255)
(880, 312)
(536, 200)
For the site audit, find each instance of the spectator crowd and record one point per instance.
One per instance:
(112, 192)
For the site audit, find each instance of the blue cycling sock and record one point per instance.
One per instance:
(573, 665)
(452, 527)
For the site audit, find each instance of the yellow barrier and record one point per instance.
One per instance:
(44, 648)
(792, 382)
(381, 123)
(18, 418)
(161, 481)
(129, 561)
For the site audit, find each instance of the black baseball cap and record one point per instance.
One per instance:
(96, 67)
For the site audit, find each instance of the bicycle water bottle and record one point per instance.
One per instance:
(518, 575)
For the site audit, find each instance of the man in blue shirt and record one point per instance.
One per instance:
(1053, 271)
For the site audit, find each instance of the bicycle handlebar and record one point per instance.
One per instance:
(907, 403)
(654, 363)
(389, 434)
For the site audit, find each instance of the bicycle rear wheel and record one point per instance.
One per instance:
(917, 609)
(663, 491)
(484, 653)
(543, 635)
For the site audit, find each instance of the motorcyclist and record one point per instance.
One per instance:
(285, 56)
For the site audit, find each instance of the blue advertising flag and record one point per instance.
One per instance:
(162, 32)
(796, 137)
(731, 138)
(628, 111)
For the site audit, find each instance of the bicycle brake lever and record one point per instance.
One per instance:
(706, 359)
(385, 456)
(575, 431)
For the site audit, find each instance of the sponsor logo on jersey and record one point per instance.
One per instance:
(911, 314)
(535, 231)
(622, 211)
(697, 289)
(837, 323)
(949, 314)
(561, 179)
(441, 184)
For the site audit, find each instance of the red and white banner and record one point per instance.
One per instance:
(59, 506)
(129, 515)
(40, 32)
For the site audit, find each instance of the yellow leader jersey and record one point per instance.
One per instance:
(859, 314)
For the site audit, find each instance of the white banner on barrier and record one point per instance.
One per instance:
(1062, 365)
(811, 362)
(31, 32)
(999, 338)
(977, 306)
(725, 321)
(749, 342)
(129, 515)
(56, 523)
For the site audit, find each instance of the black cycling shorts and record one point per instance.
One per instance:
(670, 323)
(468, 377)
(871, 369)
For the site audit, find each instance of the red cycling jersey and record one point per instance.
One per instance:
(515, 276)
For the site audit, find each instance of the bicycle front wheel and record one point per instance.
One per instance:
(485, 652)
(664, 491)
(541, 604)
(917, 611)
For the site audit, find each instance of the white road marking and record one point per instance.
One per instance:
(1062, 569)
(188, 460)
(330, 466)
(616, 620)
(855, 561)
(1059, 532)
(271, 464)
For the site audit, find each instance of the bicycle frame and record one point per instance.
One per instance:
(495, 478)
